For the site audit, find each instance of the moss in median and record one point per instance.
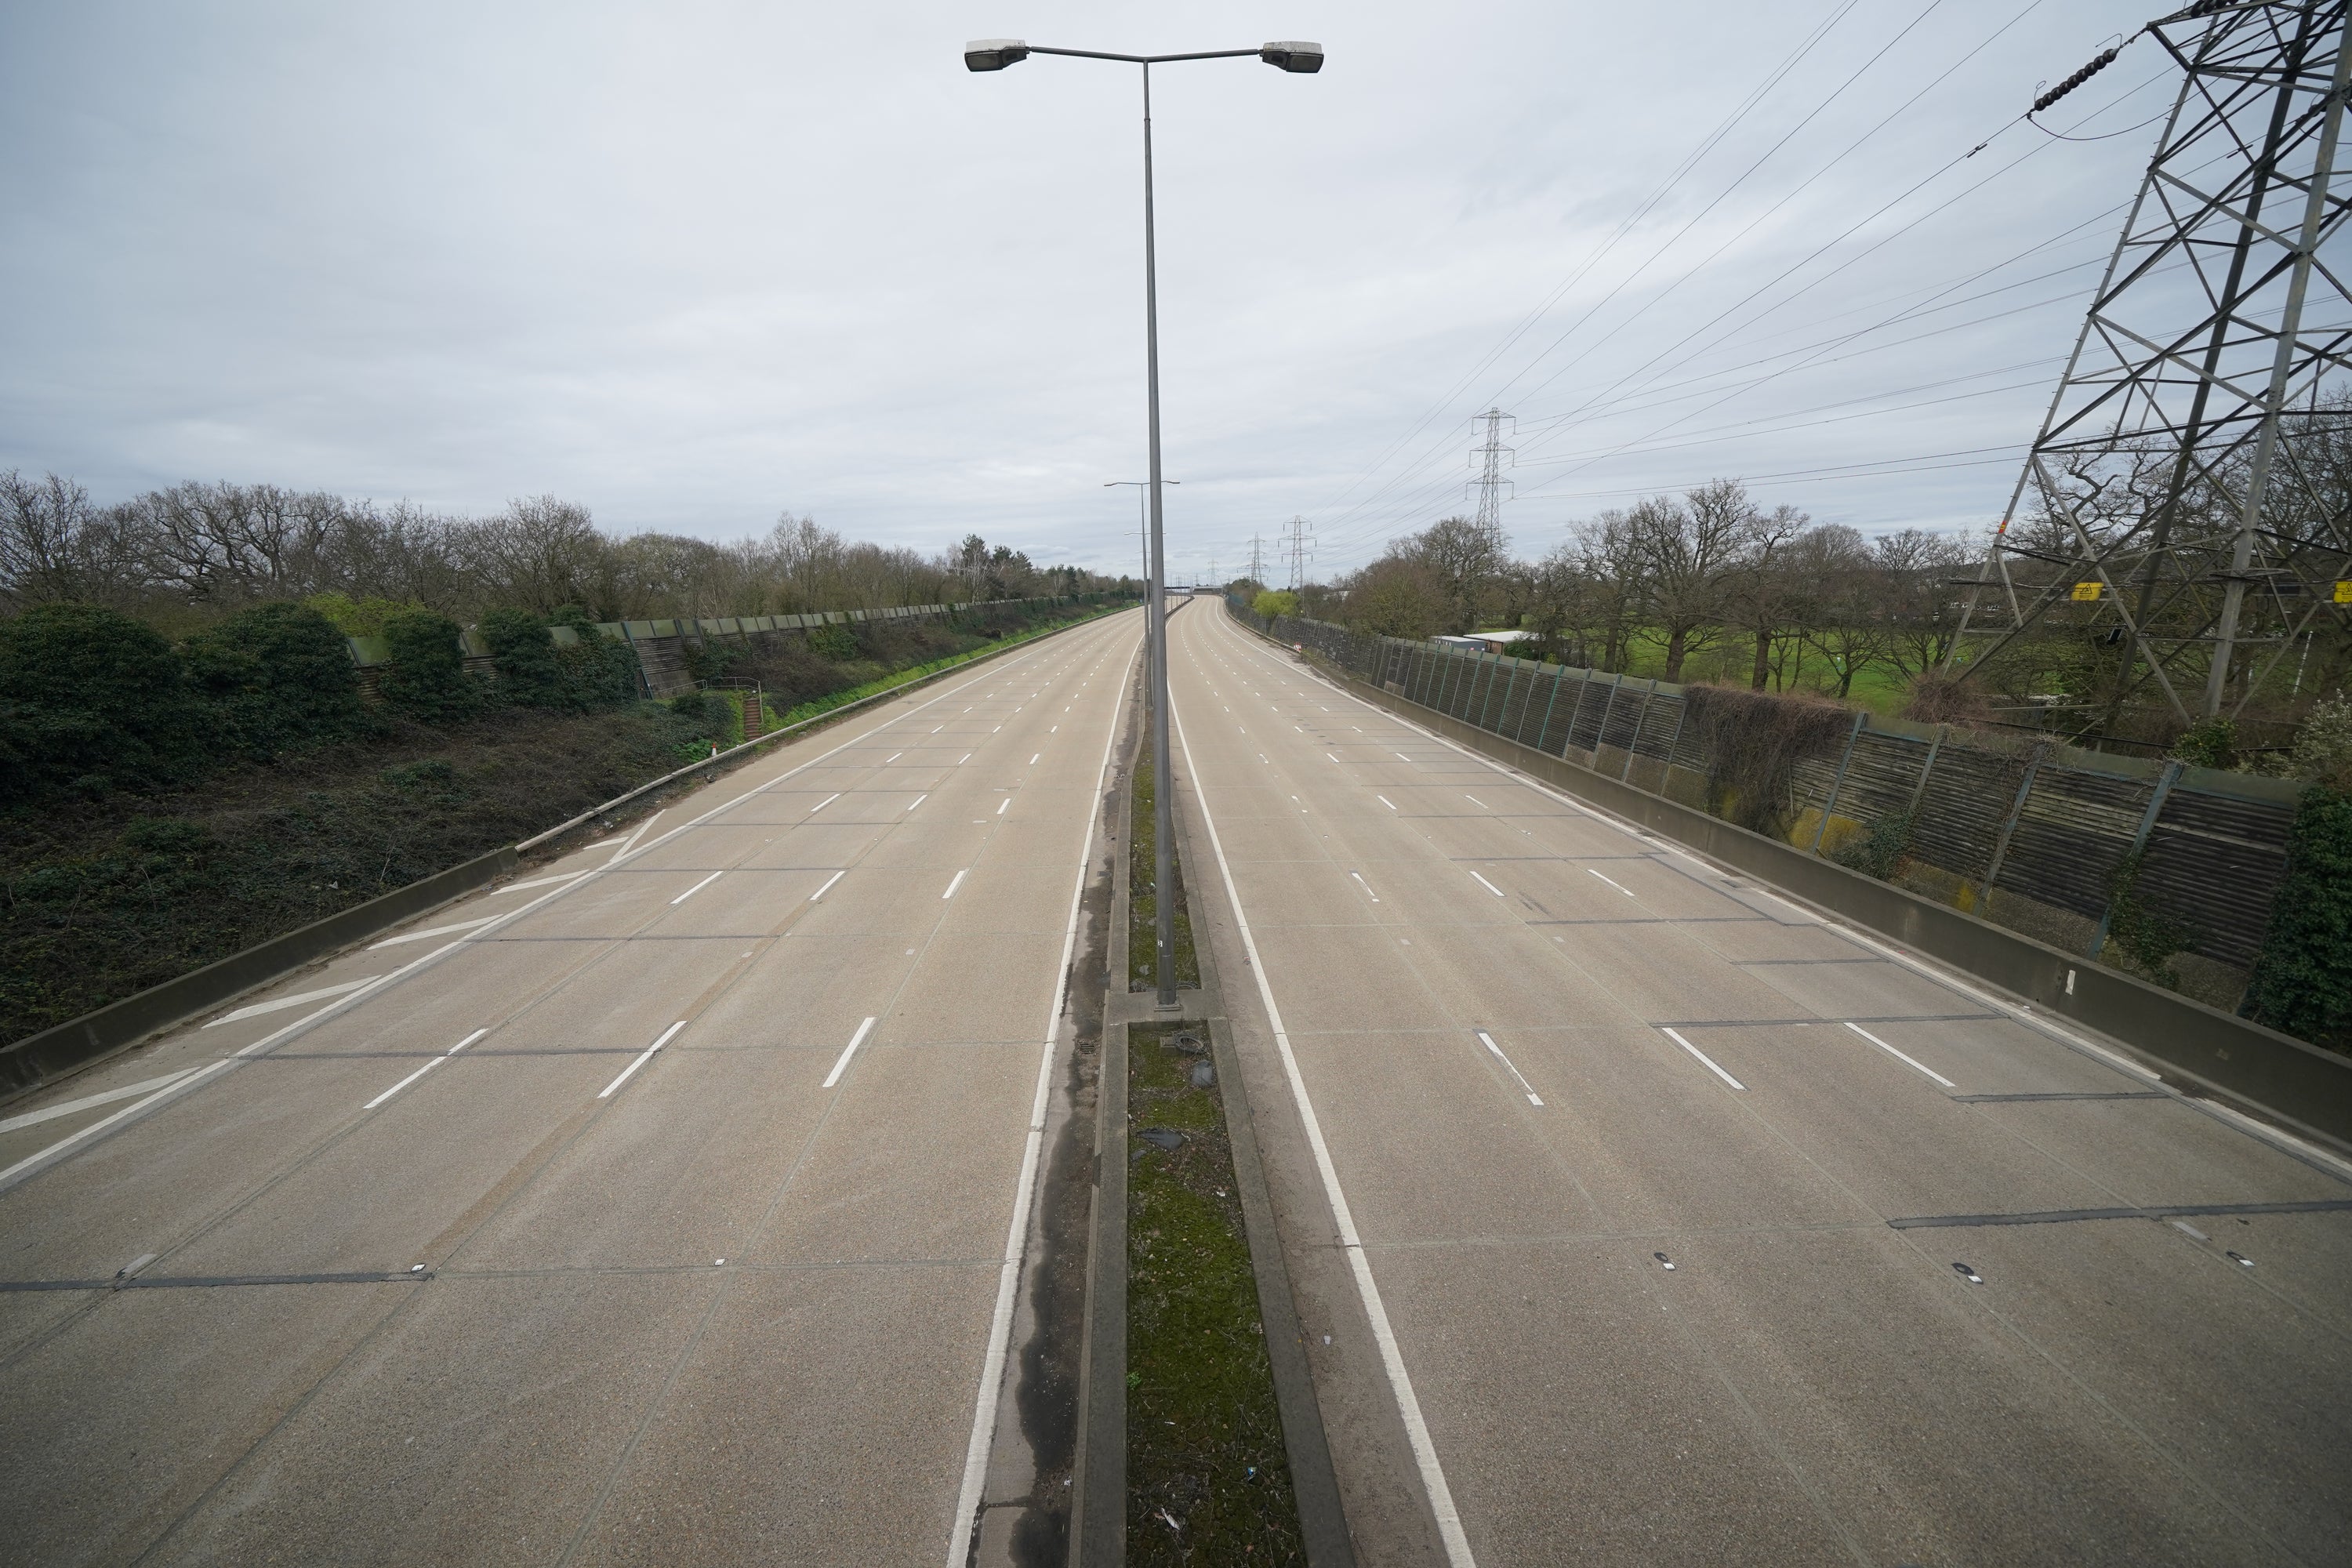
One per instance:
(1143, 906)
(1207, 1477)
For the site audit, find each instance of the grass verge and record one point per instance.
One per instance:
(1208, 1479)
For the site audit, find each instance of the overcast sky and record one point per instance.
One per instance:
(692, 265)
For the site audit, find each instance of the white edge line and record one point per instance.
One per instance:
(41, 1159)
(698, 886)
(1016, 1238)
(829, 881)
(1898, 1056)
(643, 1057)
(1703, 1060)
(429, 932)
(1424, 1447)
(540, 881)
(848, 1051)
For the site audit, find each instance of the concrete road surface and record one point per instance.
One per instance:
(1655, 1220)
(662, 1218)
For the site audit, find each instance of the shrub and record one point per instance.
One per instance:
(833, 642)
(427, 679)
(276, 677)
(530, 676)
(1272, 602)
(2209, 744)
(2303, 981)
(1877, 852)
(92, 700)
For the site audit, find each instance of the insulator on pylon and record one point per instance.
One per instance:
(2098, 63)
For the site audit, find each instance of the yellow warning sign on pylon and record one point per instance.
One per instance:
(2344, 592)
(2087, 591)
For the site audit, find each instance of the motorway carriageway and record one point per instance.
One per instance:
(1637, 1216)
(656, 1207)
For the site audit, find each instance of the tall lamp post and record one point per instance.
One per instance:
(1301, 59)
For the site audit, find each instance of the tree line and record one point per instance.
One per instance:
(197, 551)
(1710, 582)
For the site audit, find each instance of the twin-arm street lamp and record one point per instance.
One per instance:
(1302, 59)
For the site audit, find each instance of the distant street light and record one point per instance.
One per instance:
(1299, 58)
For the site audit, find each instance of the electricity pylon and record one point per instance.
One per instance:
(2181, 493)
(1490, 458)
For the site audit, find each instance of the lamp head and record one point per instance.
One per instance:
(1290, 54)
(993, 54)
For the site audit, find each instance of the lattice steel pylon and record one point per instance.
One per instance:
(1298, 544)
(1490, 457)
(2187, 490)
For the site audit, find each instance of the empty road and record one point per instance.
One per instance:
(654, 1208)
(1655, 1220)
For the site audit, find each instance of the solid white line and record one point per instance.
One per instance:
(848, 1051)
(829, 881)
(1899, 1057)
(1424, 1447)
(1525, 1086)
(917, 801)
(89, 1101)
(1385, 801)
(957, 883)
(630, 842)
(1485, 884)
(538, 882)
(820, 806)
(435, 931)
(697, 888)
(643, 1057)
(1618, 885)
(1003, 803)
(1008, 1277)
(279, 1003)
(1703, 1060)
(427, 1068)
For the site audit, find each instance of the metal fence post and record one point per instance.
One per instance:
(1860, 718)
(1558, 674)
(1477, 684)
(1634, 746)
(1919, 790)
(1584, 684)
(1600, 736)
(1675, 746)
(2164, 783)
(2016, 811)
(1510, 687)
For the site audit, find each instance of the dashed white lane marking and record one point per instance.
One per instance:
(643, 1057)
(848, 1051)
(917, 801)
(427, 1068)
(1618, 885)
(829, 881)
(1367, 886)
(965, 758)
(1032, 762)
(1328, 754)
(1898, 1056)
(1402, 757)
(892, 758)
(1003, 803)
(539, 883)
(1474, 800)
(697, 888)
(1487, 885)
(1705, 1060)
(91, 1102)
(820, 806)
(279, 1003)
(957, 883)
(430, 931)
(1385, 801)
(1525, 1086)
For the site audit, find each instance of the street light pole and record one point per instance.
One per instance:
(1300, 58)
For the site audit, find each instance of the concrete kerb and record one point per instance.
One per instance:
(1098, 1515)
(2273, 1075)
(40, 1059)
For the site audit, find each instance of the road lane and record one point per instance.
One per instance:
(1819, 1376)
(739, 1303)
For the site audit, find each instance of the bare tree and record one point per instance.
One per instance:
(54, 544)
(1688, 553)
(1766, 592)
(1467, 556)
